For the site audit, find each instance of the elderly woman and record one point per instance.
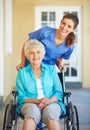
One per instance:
(39, 90)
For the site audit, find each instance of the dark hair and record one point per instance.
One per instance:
(71, 37)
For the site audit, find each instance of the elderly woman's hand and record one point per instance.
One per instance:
(42, 105)
(44, 102)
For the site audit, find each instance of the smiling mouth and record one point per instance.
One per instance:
(35, 59)
(63, 31)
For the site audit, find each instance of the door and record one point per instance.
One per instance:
(52, 16)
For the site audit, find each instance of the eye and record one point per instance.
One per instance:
(38, 52)
(31, 53)
(63, 23)
(69, 26)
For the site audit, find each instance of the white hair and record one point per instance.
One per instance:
(33, 43)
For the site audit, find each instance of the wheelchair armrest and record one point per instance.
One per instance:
(20, 115)
(67, 94)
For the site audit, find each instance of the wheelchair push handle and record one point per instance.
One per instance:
(15, 93)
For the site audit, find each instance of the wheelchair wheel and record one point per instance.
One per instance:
(8, 121)
(5, 117)
(72, 120)
(77, 118)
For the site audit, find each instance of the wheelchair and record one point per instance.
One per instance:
(71, 119)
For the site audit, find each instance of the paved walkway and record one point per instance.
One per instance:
(79, 97)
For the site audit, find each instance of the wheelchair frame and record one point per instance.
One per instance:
(71, 120)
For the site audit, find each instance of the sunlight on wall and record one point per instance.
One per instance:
(1, 48)
(8, 24)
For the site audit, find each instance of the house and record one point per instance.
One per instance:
(19, 17)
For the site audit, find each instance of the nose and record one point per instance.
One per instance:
(65, 27)
(35, 54)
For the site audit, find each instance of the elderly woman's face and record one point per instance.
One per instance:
(35, 55)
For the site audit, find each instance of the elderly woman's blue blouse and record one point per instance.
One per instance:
(27, 87)
(47, 36)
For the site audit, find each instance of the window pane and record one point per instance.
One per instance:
(44, 16)
(75, 13)
(51, 24)
(73, 72)
(43, 24)
(67, 72)
(52, 16)
(66, 12)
